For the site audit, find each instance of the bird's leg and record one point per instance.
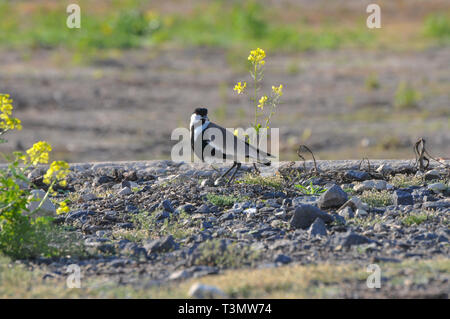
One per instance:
(217, 182)
(238, 166)
(256, 169)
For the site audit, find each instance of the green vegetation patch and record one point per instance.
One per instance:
(377, 198)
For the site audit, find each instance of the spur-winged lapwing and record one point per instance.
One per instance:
(220, 148)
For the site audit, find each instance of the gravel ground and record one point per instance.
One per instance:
(151, 223)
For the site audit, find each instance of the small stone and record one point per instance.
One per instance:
(226, 216)
(317, 228)
(160, 245)
(432, 175)
(384, 169)
(356, 175)
(305, 215)
(287, 202)
(88, 197)
(181, 274)
(402, 198)
(125, 191)
(440, 204)
(347, 213)
(250, 211)
(162, 215)
(47, 208)
(206, 182)
(361, 213)
(350, 239)
(276, 223)
(437, 187)
(333, 197)
(370, 184)
(283, 259)
(102, 180)
(201, 291)
(187, 208)
(204, 209)
(167, 205)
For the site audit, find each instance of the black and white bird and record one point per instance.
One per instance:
(227, 148)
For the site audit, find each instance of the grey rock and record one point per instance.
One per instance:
(283, 259)
(102, 180)
(204, 209)
(47, 208)
(125, 225)
(226, 216)
(440, 204)
(339, 219)
(370, 184)
(76, 215)
(351, 239)
(309, 200)
(317, 228)
(167, 206)
(361, 213)
(162, 215)
(402, 198)
(201, 291)
(437, 187)
(305, 215)
(125, 191)
(160, 245)
(356, 175)
(426, 236)
(347, 212)
(333, 197)
(384, 169)
(433, 174)
(181, 274)
(188, 208)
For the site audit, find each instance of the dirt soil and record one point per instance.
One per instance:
(124, 106)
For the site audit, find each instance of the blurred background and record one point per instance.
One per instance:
(116, 88)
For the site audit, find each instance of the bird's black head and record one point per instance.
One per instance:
(201, 111)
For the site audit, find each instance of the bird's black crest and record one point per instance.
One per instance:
(201, 111)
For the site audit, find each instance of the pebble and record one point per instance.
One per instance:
(202, 291)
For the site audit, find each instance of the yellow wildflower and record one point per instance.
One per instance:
(63, 208)
(239, 87)
(58, 170)
(278, 90)
(38, 154)
(262, 102)
(257, 56)
(7, 122)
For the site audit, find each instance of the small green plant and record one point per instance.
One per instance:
(270, 181)
(403, 180)
(217, 254)
(222, 200)
(22, 233)
(310, 189)
(406, 97)
(377, 198)
(437, 26)
(147, 226)
(372, 82)
(415, 219)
